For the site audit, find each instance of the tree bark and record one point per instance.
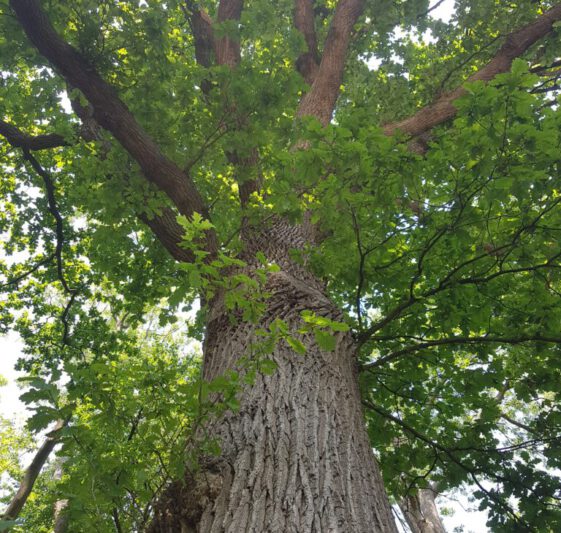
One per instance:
(59, 512)
(296, 456)
(421, 513)
(32, 472)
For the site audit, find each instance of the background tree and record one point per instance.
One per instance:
(367, 220)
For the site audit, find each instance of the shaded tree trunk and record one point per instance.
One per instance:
(421, 513)
(296, 457)
(60, 507)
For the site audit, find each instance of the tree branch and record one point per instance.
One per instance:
(201, 27)
(168, 231)
(458, 340)
(59, 231)
(446, 451)
(320, 100)
(32, 472)
(19, 139)
(227, 48)
(165, 226)
(516, 44)
(307, 63)
(34, 268)
(110, 112)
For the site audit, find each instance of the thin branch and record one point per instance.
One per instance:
(459, 340)
(430, 9)
(518, 424)
(436, 446)
(27, 273)
(116, 520)
(449, 280)
(59, 231)
(53, 209)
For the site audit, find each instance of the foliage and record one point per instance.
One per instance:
(446, 265)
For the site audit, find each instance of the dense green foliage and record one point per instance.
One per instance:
(446, 264)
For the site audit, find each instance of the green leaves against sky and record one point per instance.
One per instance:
(420, 251)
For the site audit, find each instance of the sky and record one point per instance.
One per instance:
(11, 408)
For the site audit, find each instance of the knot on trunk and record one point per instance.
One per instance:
(180, 507)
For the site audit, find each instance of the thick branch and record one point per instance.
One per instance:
(201, 26)
(18, 139)
(516, 44)
(227, 48)
(308, 62)
(60, 517)
(31, 473)
(320, 100)
(168, 231)
(421, 512)
(165, 226)
(109, 111)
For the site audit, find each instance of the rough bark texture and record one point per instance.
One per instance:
(421, 512)
(296, 457)
(320, 100)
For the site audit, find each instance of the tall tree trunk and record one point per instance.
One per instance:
(296, 456)
(421, 513)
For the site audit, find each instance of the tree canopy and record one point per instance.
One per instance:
(140, 139)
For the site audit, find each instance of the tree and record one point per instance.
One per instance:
(369, 221)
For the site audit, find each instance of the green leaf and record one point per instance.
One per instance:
(325, 341)
(296, 345)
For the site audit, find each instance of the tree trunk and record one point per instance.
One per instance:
(60, 507)
(295, 457)
(421, 513)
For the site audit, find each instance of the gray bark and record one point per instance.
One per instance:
(59, 511)
(31, 473)
(421, 513)
(296, 457)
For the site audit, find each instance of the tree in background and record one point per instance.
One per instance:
(368, 221)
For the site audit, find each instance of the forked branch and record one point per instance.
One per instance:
(320, 100)
(110, 112)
